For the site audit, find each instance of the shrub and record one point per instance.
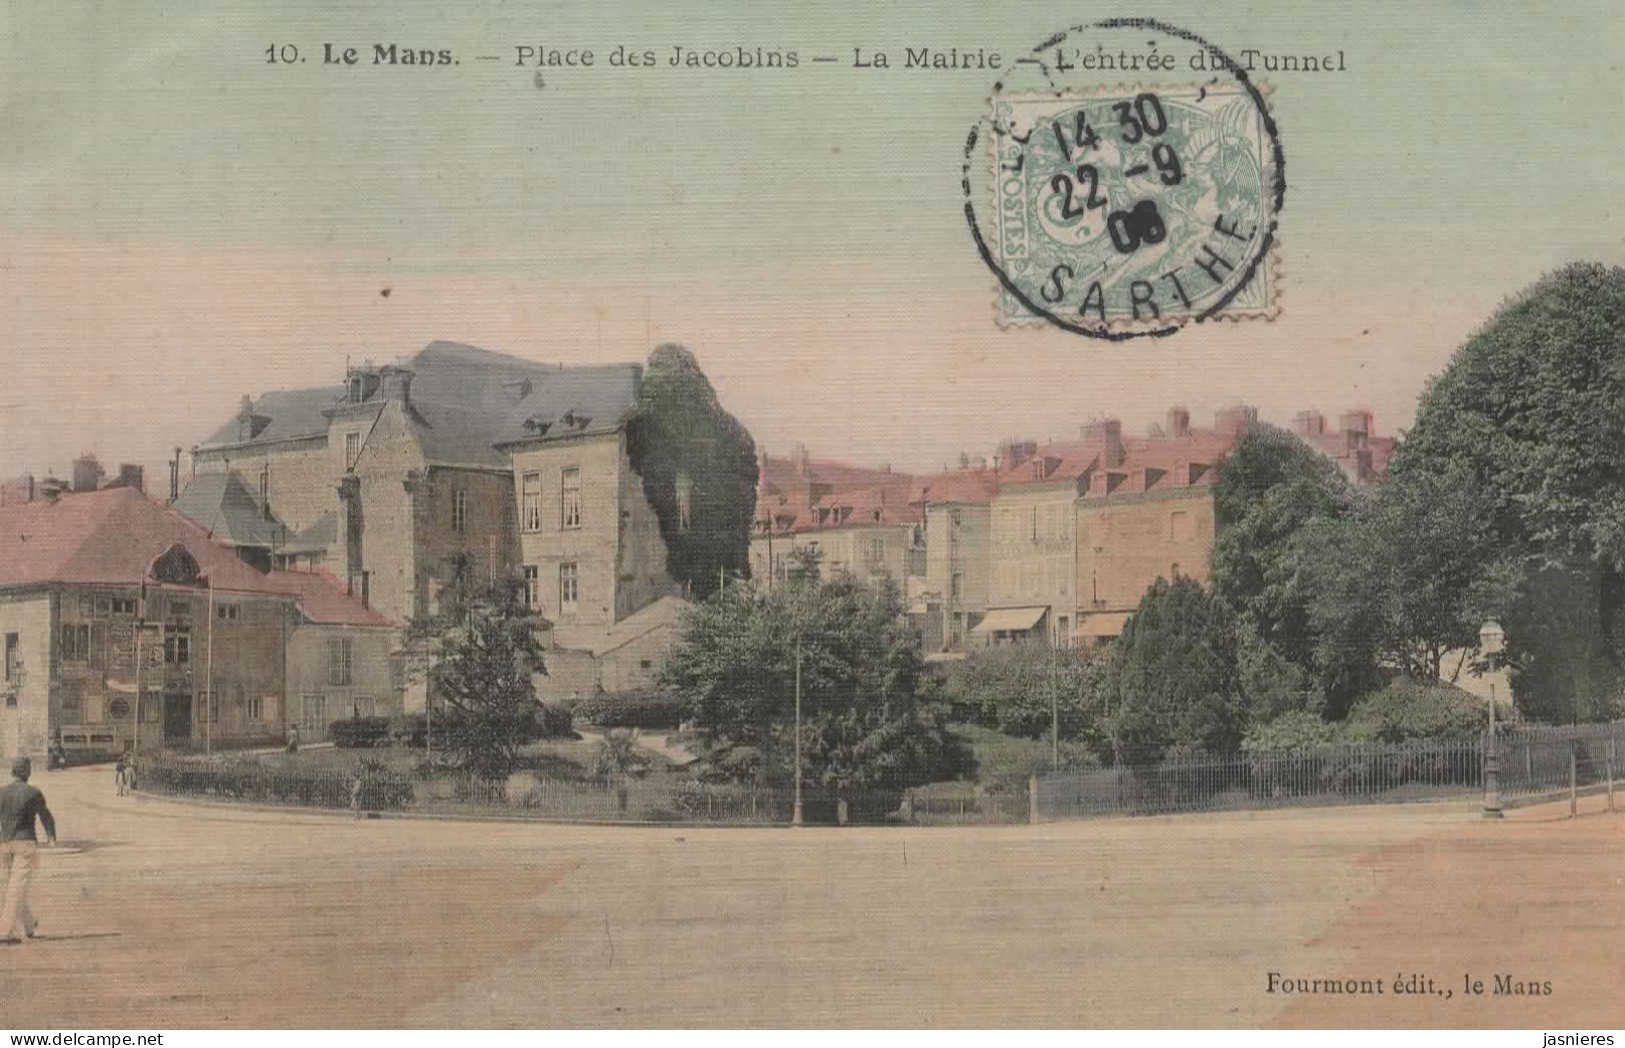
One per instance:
(409, 730)
(1407, 710)
(1295, 731)
(630, 709)
(360, 732)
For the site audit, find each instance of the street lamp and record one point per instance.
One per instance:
(1490, 639)
(795, 816)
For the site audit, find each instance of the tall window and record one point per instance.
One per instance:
(530, 502)
(533, 585)
(569, 583)
(75, 642)
(256, 708)
(209, 706)
(459, 510)
(956, 584)
(340, 661)
(265, 485)
(352, 449)
(877, 549)
(14, 662)
(570, 498)
(177, 649)
(315, 712)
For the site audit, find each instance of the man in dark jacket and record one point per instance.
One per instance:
(20, 805)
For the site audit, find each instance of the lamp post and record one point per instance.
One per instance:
(795, 815)
(1490, 638)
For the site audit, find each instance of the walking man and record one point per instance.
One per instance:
(20, 805)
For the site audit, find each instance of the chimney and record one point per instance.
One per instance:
(1179, 423)
(175, 474)
(1234, 421)
(1309, 423)
(395, 384)
(1357, 421)
(132, 476)
(1015, 452)
(1115, 454)
(366, 589)
(803, 460)
(87, 473)
(245, 419)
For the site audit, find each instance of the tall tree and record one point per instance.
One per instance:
(481, 650)
(1528, 412)
(698, 465)
(1272, 489)
(1173, 680)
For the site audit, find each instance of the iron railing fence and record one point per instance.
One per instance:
(1531, 763)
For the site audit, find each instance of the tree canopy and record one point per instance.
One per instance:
(865, 721)
(1173, 680)
(689, 449)
(1525, 426)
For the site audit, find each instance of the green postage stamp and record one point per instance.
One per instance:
(1136, 208)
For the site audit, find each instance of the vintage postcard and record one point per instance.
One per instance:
(910, 515)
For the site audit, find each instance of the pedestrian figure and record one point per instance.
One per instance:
(57, 756)
(293, 738)
(124, 774)
(20, 805)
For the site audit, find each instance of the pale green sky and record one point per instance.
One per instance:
(181, 222)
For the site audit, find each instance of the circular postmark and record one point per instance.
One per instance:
(1128, 210)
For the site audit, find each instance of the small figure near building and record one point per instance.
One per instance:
(293, 738)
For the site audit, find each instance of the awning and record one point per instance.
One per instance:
(1010, 620)
(1102, 624)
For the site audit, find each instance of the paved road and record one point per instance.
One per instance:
(167, 915)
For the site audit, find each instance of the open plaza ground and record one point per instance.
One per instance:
(172, 915)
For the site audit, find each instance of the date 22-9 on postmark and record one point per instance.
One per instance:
(1132, 210)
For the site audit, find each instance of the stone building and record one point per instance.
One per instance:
(868, 523)
(388, 477)
(120, 616)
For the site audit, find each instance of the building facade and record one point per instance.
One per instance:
(122, 620)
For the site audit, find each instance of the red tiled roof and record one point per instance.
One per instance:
(322, 598)
(970, 485)
(112, 536)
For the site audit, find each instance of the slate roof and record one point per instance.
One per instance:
(227, 510)
(466, 400)
(112, 536)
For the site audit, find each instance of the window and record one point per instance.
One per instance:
(1179, 526)
(228, 612)
(256, 708)
(877, 549)
(14, 662)
(103, 606)
(340, 661)
(459, 510)
(569, 584)
(75, 642)
(152, 707)
(93, 709)
(685, 493)
(124, 607)
(85, 606)
(1063, 632)
(530, 502)
(315, 712)
(265, 485)
(352, 449)
(209, 700)
(73, 706)
(570, 499)
(1173, 572)
(533, 585)
(646, 664)
(956, 584)
(177, 649)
